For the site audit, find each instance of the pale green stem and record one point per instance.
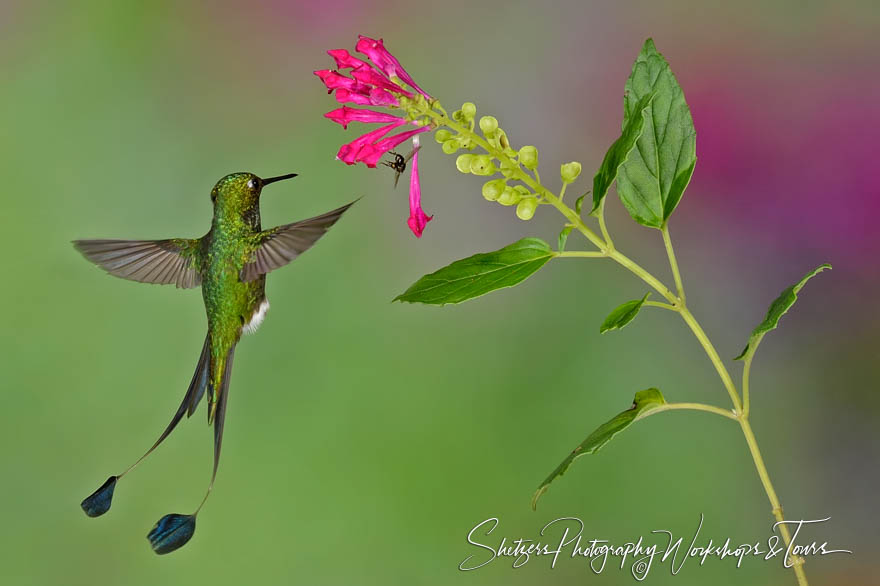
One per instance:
(673, 263)
(561, 191)
(796, 561)
(602, 225)
(701, 336)
(661, 305)
(581, 254)
(644, 275)
(747, 369)
(692, 407)
(741, 411)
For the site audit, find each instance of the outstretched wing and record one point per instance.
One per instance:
(280, 245)
(164, 262)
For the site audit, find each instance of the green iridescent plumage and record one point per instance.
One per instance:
(230, 263)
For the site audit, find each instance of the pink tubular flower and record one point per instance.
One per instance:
(418, 219)
(385, 61)
(333, 80)
(377, 82)
(371, 153)
(346, 115)
(344, 60)
(350, 153)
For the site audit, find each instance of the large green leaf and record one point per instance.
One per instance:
(622, 314)
(655, 174)
(479, 274)
(618, 152)
(777, 309)
(643, 402)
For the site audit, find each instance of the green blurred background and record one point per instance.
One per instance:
(364, 439)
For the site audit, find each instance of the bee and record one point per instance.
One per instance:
(399, 163)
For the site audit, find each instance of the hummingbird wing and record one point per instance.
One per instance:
(165, 262)
(280, 245)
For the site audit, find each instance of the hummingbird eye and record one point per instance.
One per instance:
(252, 184)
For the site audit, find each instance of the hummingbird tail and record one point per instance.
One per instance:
(174, 530)
(217, 414)
(98, 502)
(194, 394)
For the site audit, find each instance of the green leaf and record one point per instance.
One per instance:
(563, 238)
(777, 309)
(655, 174)
(579, 203)
(479, 274)
(619, 151)
(643, 402)
(623, 314)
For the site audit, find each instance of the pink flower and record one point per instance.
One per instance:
(333, 80)
(346, 115)
(369, 77)
(371, 153)
(376, 83)
(385, 61)
(418, 219)
(348, 153)
(344, 60)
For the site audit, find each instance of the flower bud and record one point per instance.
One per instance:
(442, 135)
(468, 110)
(463, 162)
(525, 209)
(528, 156)
(570, 171)
(450, 146)
(482, 165)
(507, 170)
(488, 124)
(509, 197)
(492, 190)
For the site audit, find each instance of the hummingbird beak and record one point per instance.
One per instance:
(279, 178)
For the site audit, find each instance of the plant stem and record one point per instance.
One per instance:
(747, 370)
(701, 336)
(741, 412)
(692, 407)
(797, 562)
(673, 263)
(602, 225)
(582, 254)
(561, 191)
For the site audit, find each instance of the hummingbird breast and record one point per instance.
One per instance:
(232, 306)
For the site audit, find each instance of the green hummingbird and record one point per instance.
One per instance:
(230, 264)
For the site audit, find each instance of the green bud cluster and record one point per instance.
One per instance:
(485, 165)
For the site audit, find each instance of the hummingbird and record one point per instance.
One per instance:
(230, 264)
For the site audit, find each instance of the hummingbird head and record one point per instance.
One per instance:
(240, 192)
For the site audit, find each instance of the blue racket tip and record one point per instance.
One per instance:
(171, 532)
(98, 503)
